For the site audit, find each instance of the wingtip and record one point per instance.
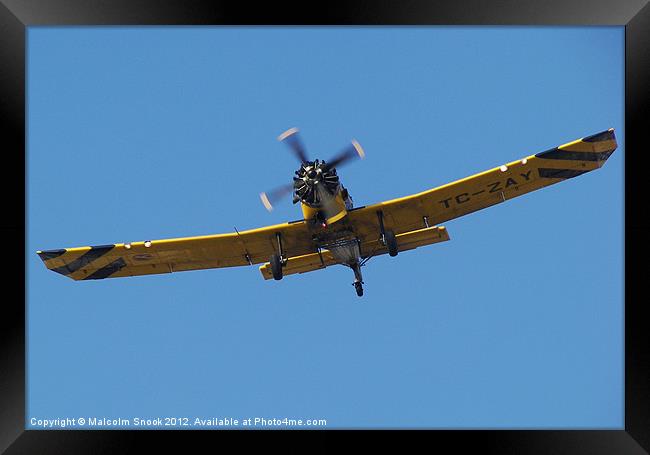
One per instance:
(50, 254)
(607, 135)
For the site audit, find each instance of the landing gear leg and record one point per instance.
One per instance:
(278, 260)
(358, 280)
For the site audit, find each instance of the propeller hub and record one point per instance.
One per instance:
(312, 179)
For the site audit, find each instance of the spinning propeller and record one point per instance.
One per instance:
(316, 183)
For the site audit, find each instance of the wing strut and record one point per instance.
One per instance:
(246, 254)
(380, 217)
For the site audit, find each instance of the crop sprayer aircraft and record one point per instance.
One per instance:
(332, 231)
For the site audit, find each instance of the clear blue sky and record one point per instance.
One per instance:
(149, 133)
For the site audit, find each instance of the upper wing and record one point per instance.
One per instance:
(174, 255)
(485, 189)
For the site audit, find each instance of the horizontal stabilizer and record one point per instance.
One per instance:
(301, 264)
(315, 261)
(408, 241)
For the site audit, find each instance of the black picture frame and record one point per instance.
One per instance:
(17, 15)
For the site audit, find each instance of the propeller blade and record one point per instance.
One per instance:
(292, 139)
(272, 197)
(351, 151)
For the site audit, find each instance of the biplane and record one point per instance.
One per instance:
(331, 230)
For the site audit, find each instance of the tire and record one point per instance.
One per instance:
(359, 289)
(391, 243)
(276, 266)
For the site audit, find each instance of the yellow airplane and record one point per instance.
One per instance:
(332, 231)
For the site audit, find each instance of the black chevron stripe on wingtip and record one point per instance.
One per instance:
(559, 173)
(108, 270)
(606, 135)
(94, 253)
(560, 154)
(50, 254)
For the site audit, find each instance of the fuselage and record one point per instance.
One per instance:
(335, 210)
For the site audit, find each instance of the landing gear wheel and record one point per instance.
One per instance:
(391, 242)
(276, 266)
(359, 288)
